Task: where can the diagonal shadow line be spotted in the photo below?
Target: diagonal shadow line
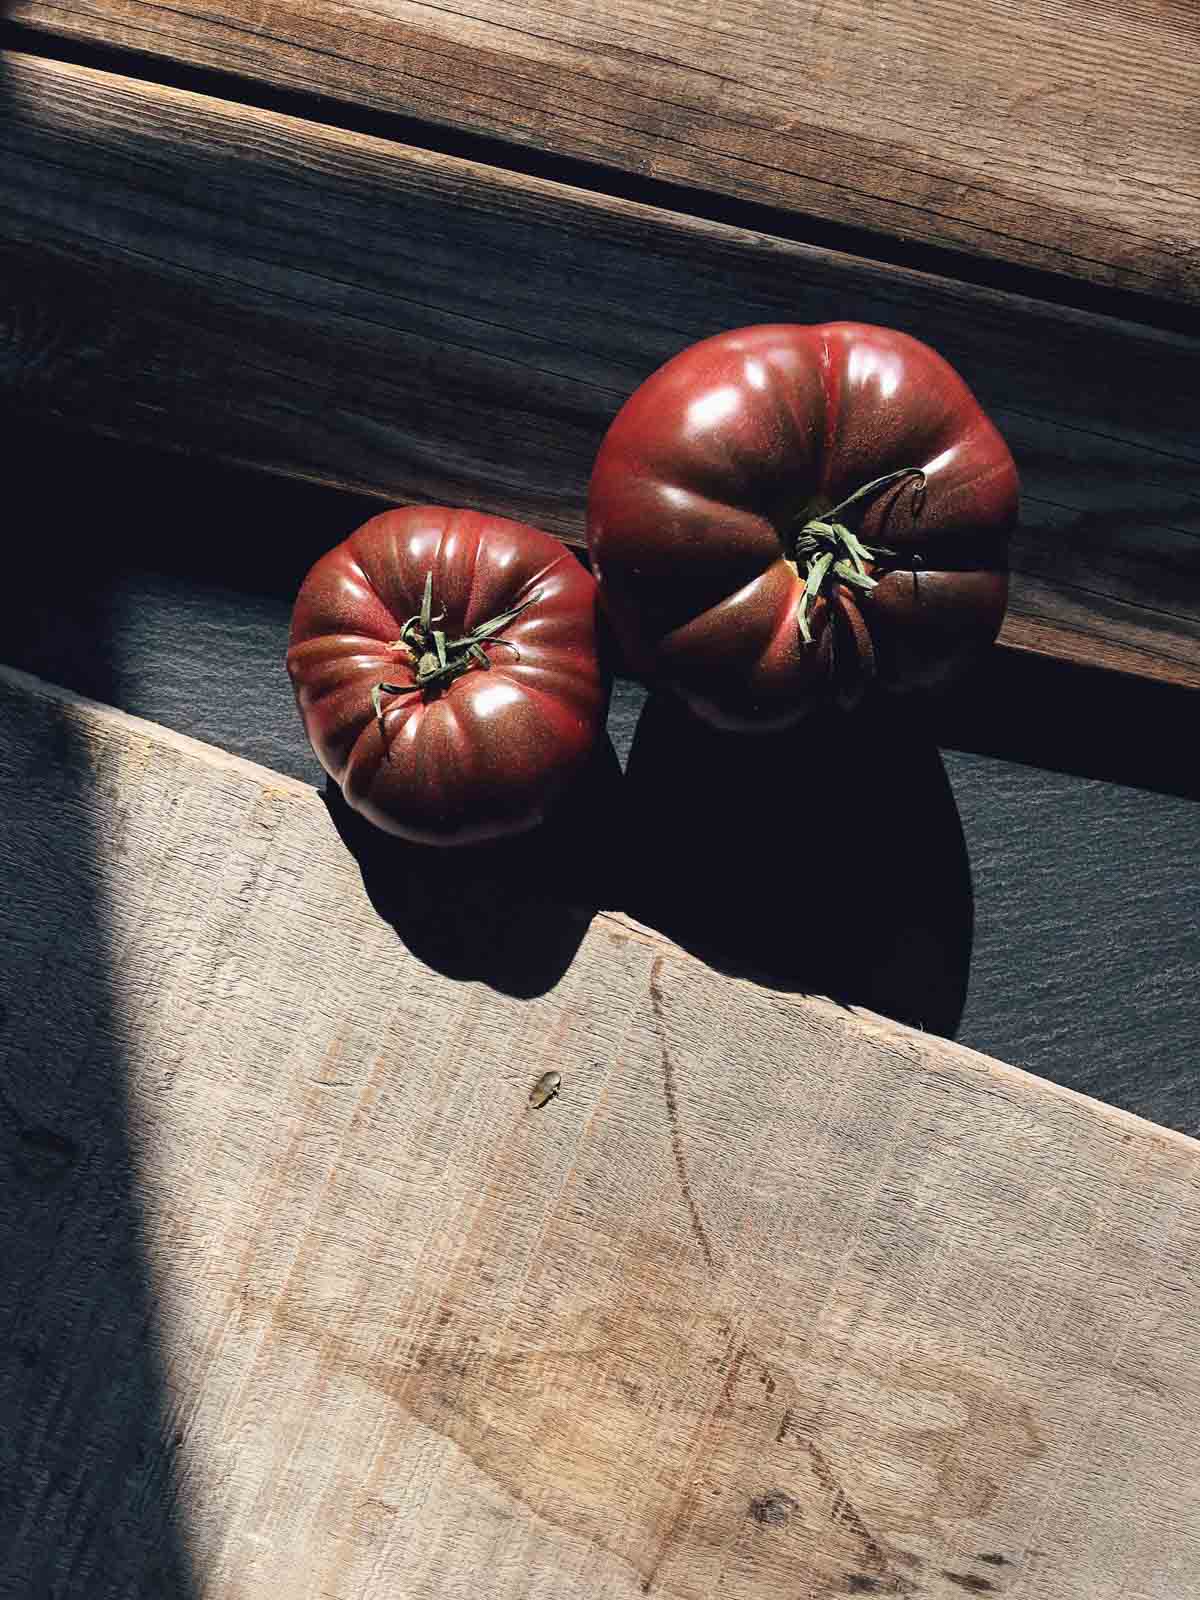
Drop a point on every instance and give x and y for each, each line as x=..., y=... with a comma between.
x=93, y=1489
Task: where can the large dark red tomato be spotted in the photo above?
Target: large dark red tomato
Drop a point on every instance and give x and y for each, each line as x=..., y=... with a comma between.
x=445, y=666
x=749, y=555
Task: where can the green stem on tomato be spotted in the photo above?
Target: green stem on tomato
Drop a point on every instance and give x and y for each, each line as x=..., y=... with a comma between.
x=440, y=660
x=825, y=550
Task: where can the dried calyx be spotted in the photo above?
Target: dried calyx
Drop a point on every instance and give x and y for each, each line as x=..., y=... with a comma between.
x=440, y=660
x=825, y=551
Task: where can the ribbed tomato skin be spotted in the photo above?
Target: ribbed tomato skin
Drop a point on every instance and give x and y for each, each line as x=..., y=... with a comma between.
x=483, y=756
x=726, y=446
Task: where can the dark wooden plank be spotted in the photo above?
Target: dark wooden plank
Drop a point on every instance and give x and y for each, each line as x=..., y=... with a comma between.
x=1064, y=137
x=191, y=273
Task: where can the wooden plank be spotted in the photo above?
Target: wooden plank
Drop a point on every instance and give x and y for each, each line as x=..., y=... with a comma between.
x=191, y=273
x=776, y=1298
x=1063, y=137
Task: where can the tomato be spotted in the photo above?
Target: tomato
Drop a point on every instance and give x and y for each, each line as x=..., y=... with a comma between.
x=781, y=515
x=445, y=666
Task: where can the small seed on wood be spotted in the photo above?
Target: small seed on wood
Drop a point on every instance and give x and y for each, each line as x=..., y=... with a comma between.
x=545, y=1088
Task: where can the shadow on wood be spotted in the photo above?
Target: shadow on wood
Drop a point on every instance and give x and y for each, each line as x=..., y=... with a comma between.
x=511, y=915
x=92, y=1487
x=830, y=858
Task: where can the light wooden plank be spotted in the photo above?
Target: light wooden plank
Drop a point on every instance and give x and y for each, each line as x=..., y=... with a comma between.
x=775, y=1299
x=191, y=273
x=1062, y=136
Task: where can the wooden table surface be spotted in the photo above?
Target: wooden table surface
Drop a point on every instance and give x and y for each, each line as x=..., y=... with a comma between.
x=301, y=1296
x=1064, y=137
x=400, y=252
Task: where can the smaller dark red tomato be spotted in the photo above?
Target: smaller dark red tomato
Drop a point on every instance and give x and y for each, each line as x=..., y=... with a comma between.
x=445, y=666
x=782, y=514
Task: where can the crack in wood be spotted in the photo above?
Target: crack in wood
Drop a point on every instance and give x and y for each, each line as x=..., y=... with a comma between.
x=672, y=1099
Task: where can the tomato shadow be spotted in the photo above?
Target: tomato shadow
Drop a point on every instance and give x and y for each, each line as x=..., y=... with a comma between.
x=512, y=914
x=829, y=859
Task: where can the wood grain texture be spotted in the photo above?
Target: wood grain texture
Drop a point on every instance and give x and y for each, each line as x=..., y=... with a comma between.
x=190, y=273
x=773, y=1299
x=1063, y=136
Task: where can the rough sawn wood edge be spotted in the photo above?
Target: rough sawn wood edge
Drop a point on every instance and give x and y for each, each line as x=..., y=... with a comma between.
x=103, y=721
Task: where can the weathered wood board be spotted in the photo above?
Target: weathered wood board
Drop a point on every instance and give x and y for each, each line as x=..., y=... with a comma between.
x=774, y=1300
x=193, y=273
x=1060, y=136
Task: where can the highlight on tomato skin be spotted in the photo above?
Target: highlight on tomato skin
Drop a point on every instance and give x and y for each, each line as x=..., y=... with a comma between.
x=445, y=666
x=784, y=517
